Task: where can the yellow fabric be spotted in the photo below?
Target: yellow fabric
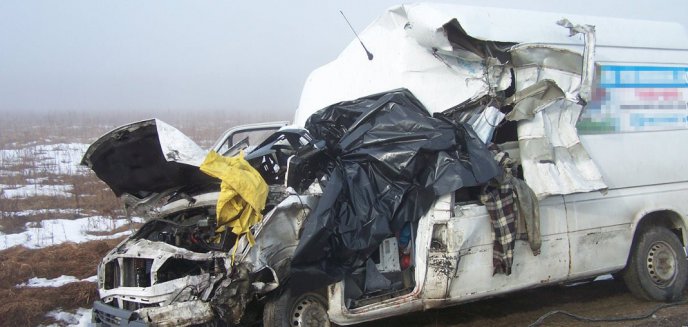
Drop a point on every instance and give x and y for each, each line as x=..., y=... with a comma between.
x=243, y=193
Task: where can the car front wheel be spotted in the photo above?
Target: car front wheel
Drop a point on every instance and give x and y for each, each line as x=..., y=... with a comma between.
x=657, y=268
x=304, y=310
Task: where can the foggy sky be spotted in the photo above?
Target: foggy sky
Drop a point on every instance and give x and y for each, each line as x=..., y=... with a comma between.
x=84, y=55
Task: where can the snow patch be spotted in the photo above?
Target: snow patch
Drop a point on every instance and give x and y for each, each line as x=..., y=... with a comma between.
x=44, y=282
x=91, y=279
x=82, y=317
x=63, y=158
x=604, y=277
x=27, y=191
x=35, y=212
x=55, y=282
x=57, y=231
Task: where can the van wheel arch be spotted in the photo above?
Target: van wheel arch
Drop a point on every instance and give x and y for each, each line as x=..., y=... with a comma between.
x=665, y=218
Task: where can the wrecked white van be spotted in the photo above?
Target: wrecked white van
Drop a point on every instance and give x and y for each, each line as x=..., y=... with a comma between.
x=481, y=151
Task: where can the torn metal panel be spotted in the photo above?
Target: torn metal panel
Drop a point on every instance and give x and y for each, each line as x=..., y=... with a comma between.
x=178, y=314
x=588, y=55
x=233, y=295
x=482, y=115
x=547, y=106
x=484, y=124
x=178, y=147
x=533, y=98
x=417, y=48
x=498, y=75
x=533, y=63
x=553, y=159
x=278, y=235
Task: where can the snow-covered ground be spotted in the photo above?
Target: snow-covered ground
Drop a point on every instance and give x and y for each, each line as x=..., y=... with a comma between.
x=25, y=213
x=57, y=231
x=27, y=191
x=36, y=160
x=63, y=158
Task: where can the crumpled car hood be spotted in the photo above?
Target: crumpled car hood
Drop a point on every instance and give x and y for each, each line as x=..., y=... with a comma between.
x=147, y=157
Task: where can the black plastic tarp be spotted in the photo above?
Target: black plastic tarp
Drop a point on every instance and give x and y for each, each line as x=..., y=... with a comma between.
x=388, y=162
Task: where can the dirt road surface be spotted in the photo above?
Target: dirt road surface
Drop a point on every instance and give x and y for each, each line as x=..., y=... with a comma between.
x=605, y=298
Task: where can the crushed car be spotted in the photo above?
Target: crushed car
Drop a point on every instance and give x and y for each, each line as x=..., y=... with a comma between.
x=480, y=151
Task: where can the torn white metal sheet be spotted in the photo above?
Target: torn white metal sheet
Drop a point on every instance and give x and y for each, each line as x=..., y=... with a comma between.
x=532, y=99
x=485, y=123
x=588, y=55
x=410, y=52
x=534, y=63
x=553, y=159
x=548, y=84
x=178, y=147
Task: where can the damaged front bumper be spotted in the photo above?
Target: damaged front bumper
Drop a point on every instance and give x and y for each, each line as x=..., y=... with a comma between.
x=106, y=315
x=178, y=314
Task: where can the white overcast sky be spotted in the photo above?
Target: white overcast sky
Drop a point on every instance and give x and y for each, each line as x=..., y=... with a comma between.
x=194, y=55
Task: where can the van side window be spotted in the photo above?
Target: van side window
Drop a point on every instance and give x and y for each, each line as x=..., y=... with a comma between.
x=634, y=98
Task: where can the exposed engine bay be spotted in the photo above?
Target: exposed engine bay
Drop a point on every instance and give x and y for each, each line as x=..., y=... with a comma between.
x=177, y=264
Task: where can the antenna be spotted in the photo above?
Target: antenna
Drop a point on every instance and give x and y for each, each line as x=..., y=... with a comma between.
x=370, y=55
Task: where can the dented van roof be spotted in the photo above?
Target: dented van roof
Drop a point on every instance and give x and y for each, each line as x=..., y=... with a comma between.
x=526, y=26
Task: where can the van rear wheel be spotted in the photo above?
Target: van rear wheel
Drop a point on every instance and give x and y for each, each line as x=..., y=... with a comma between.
x=657, y=268
x=305, y=310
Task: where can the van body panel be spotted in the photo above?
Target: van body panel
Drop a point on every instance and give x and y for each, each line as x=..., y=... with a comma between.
x=583, y=234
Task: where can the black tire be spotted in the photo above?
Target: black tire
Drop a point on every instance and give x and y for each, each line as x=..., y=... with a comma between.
x=657, y=268
x=304, y=310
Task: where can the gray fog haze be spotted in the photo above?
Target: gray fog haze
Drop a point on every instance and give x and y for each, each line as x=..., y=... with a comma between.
x=249, y=56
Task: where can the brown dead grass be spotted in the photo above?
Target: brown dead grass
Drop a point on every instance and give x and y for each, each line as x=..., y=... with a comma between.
x=12, y=225
x=28, y=306
x=88, y=193
x=18, y=264
x=90, y=197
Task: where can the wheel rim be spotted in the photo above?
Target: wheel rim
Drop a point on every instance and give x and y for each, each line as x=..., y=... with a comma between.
x=661, y=263
x=309, y=311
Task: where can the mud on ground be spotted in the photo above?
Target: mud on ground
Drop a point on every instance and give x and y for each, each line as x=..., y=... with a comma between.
x=607, y=298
